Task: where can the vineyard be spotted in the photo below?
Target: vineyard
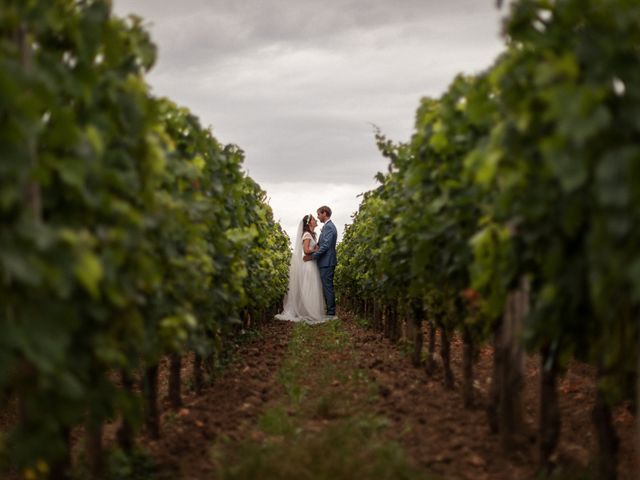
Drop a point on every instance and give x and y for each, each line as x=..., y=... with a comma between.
x=511, y=218
x=129, y=233
x=494, y=269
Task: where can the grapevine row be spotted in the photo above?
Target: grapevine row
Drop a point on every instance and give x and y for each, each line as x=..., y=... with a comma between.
x=513, y=215
x=128, y=233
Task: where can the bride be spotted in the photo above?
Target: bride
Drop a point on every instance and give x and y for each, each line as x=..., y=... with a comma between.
x=304, y=301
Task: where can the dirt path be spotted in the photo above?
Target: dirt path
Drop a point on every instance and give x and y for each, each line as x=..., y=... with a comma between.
x=224, y=410
x=339, y=401
x=440, y=435
x=309, y=412
x=429, y=421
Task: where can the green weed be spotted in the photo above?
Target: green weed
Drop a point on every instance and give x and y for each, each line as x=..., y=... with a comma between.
x=321, y=429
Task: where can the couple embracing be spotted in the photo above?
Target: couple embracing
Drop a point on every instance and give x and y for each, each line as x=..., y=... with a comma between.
x=313, y=264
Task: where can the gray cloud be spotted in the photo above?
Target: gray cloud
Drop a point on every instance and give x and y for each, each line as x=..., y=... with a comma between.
x=198, y=31
x=297, y=84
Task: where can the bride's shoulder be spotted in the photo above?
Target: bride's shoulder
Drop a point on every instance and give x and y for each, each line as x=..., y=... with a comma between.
x=306, y=235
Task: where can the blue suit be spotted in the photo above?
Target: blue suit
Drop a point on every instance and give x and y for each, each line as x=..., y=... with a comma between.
x=326, y=260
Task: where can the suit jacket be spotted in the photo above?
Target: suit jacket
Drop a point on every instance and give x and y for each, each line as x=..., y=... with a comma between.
x=326, y=254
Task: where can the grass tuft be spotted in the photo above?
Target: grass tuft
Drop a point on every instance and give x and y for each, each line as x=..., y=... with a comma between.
x=324, y=427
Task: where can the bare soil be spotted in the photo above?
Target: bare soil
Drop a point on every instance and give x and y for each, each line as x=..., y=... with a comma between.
x=428, y=420
x=445, y=438
x=224, y=408
x=439, y=436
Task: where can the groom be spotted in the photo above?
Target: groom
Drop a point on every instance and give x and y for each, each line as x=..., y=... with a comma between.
x=326, y=258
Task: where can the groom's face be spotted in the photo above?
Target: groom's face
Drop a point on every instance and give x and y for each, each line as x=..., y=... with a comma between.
x=322, y=216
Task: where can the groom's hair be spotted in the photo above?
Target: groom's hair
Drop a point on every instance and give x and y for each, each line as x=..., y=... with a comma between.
x=326, y=210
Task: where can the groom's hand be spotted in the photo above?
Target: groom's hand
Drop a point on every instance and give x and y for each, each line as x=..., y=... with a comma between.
x=307, y=258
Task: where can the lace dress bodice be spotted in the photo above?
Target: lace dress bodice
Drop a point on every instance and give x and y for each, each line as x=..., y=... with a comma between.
x=312, y=243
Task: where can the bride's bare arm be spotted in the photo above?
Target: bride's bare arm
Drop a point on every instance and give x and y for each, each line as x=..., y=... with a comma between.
x=305, y=246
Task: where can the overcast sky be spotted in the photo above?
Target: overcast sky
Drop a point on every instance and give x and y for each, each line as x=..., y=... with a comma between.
x=298, y=84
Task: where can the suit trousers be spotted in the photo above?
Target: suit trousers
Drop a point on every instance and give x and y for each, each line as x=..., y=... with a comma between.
x=326, y=275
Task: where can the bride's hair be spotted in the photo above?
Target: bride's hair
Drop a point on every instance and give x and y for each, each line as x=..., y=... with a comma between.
x=305, y=225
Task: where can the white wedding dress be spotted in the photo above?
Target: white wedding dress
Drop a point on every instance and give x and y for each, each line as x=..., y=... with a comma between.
x=304, y=301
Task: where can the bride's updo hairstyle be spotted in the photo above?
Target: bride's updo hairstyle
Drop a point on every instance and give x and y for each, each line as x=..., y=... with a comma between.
x=305, y=225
